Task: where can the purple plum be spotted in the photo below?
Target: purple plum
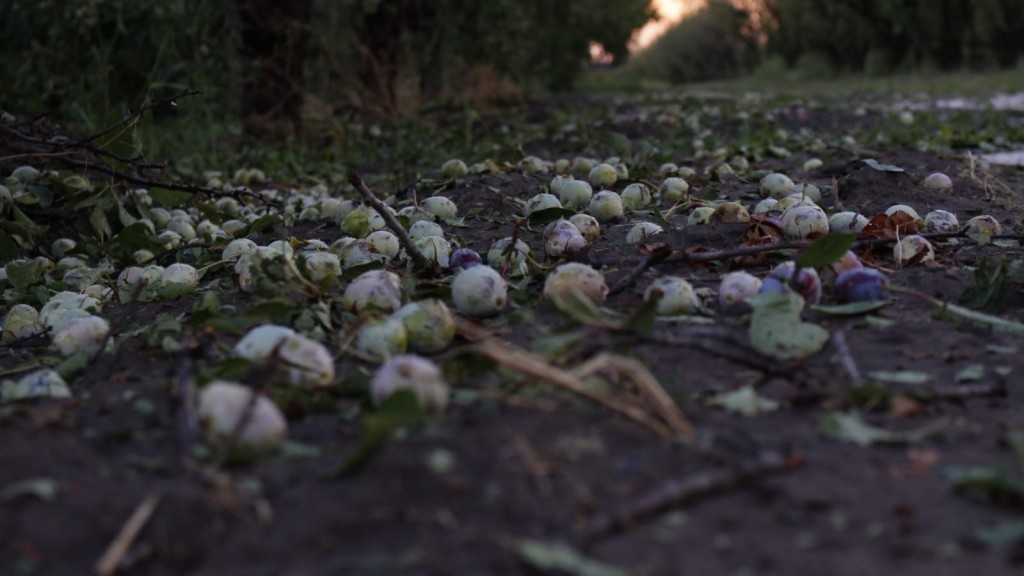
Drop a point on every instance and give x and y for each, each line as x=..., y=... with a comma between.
x=463, y=258
x=861, y=285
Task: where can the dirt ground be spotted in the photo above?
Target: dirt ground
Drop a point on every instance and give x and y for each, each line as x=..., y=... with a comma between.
x=515, y=460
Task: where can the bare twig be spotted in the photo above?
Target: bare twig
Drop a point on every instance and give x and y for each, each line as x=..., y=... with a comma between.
x=38, y=339
x=712, y=255
x=134, y=116
x=659, y=254
x=846, y=359
x=63, y=150
x=421, y=261
x=111, y=559
x=178, y=187
x=733, y=350
x=835, y=195
x=675, y=493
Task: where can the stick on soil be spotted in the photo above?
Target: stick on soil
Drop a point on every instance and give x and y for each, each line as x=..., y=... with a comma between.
x=111, y=559
x=675, y=493
x=421, y=261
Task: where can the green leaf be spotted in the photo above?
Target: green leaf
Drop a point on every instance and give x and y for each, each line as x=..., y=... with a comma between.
x=645, y=317
x=776, y=329
x=169, y=198
x=86, y=199
x=1003, y=535
x=24, y=273
x=291, y=450
x=745, y=401
x=100, y=224
x=260, y=224
x=548, y=215
x=8, y=249
x=851, y=427
x=575, y=304
x=73, y=364
x=45, y=489
x=124, y=216
x=398, y=410
x=135, y=237
x=1015, y=439
x=272, y=310
x=228, y=369
x=558, y=345
x=989, y=288
x=850, y=308
x=906, y=377
x=21, y=225
x=971, y=373
x=43, y=194
x=993, y=481
x=961, y=314
x=826, y=250
x=876, y=165
x=554, y=556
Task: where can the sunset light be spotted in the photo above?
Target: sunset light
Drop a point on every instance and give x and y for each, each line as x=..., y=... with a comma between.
x=669, y=12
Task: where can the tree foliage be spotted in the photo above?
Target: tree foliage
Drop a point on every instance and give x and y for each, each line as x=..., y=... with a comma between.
x=857, y=35
x=98, y=57
x=90, y=60
x=716, y=42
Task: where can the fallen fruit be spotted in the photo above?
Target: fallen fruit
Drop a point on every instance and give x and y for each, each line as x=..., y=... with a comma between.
x=575, y=276
x=233, y=415
x=675, y=296
x=861, y=285
x=410, y=372
x=735, y=291
x=479, y=291
x=912, y=250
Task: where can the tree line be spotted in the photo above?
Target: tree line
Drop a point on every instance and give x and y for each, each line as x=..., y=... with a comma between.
x=728, y=38
x=879, y=36
x=260, y=59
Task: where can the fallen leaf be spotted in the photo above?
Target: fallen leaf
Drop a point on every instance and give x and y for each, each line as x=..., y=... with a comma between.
x=826, y=250
x=1003, y=535
x=745, y=401
x=563, y=558
x=850, y=308
x=876, y=165
x=972, y=373
x=851, y=427
x=43, y=488
x=777, y=330
x=906, y=377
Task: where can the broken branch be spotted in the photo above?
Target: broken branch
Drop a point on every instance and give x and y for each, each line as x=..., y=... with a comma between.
x=421, y=261
x=675, y=493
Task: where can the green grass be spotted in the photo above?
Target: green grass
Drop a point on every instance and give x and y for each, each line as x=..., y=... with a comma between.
x=967, y=84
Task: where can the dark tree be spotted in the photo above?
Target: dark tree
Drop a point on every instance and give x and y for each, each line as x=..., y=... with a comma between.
x=274, y=35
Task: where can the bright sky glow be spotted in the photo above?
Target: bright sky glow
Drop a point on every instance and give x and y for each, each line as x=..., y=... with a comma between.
x=671, y=11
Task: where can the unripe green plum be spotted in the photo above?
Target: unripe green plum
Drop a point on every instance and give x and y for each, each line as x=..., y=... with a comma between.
x=479, y=291
x=676, y=296
x=410, y=372
x=605, y=206
x=229, y=414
